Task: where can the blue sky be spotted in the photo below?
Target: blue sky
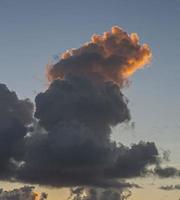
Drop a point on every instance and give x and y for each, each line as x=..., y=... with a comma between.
x=31, y=31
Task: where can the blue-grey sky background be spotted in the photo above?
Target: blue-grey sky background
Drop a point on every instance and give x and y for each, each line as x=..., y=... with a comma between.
x=32, y=31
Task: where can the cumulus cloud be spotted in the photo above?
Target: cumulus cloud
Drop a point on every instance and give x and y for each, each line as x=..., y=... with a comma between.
x=24, y=193
x=113, y=56
x=77, y=98
x=170, y=187
x=166, y=172
x=15, y=115
x=81, y=193
x=51, y=160
x=76, y=148
x=70, y=142
x=77, y=111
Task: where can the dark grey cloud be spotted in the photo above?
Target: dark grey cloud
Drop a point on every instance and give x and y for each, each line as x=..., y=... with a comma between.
x=81, y=193
x=79, y=99
x=167, y=172
x=15, y=115
x=24, y=193
x=76, y=148
x=132, y=162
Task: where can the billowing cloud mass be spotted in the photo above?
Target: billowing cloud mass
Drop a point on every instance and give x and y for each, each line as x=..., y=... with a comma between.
x=70, y=142
x=77, y=111
x=15, y=115
x=113, y=56
x=24, y=193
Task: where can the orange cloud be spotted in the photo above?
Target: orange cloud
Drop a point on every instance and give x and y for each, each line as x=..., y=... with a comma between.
x=112, y=56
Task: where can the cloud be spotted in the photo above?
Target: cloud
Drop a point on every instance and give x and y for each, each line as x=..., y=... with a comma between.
x=132, y=162
x=69, y=143
x=170, y=187
x=76, y=148
x=166, y=172
x=15, y=115
x=24, y=193
x=77, y=98
x=81, y=193
x=77, y=111
x=113, y=56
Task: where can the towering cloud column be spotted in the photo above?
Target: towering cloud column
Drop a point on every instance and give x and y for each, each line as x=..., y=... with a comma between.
x=77, y=111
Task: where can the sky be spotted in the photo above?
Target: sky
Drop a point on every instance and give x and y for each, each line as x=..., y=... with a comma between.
x=32, y=32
